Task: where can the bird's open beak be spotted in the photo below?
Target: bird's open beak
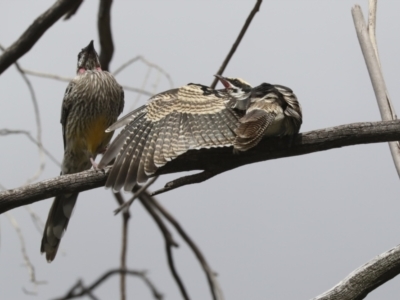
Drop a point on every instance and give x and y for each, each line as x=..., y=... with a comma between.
x=223, y=81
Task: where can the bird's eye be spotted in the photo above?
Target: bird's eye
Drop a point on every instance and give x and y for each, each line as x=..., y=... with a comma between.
x=236, y=82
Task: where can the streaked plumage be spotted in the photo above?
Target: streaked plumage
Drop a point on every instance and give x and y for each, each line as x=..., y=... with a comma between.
x=239, y=90
x=92, y=102
x=273, y=111
x=171, y=123
x=196, y=117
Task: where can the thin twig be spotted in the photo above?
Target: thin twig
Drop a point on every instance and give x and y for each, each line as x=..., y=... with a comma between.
x=37, y=221
x=376, y=76
x=169, y=243
x=215, y=288
x=68, y=79
x=185, y=180
x=34, y=32
x=146, y=62
x=137, y=90
x=6, y=131
x=73, y=293
x=47, y=75
x=145, y=79
x=237, y=42
x=124, y=245
x=38, y=122
x=27, y=261
x=163, y=228
x=135, y=195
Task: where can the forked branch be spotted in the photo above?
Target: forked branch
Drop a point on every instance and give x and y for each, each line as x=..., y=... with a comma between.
x=215, y=161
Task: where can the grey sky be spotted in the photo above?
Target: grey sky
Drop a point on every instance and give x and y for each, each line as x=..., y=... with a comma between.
x=284, y=229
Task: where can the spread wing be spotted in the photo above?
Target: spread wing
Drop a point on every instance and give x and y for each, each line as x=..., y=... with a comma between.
x=170, y=124
x=253, y=125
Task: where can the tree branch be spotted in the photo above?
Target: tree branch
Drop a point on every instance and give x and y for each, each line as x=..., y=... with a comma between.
x=169, y=243
x=237, y=42
x=215, y=289
x=78, y=290
x=35, y=31
x=211, y=159
x=124, y=246
x=73, y=11
x=105, y=35
x=273, y=148
x=370, y=53
x=359, y=283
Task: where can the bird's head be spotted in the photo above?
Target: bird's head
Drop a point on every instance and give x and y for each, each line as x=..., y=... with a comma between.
x=236, y=87
x=264, y=91
x=88, y=59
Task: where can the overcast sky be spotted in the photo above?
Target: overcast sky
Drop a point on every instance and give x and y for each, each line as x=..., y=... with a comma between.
x=283, y=229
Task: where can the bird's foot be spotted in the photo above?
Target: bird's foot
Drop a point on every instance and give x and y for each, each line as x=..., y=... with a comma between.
x=94, y=164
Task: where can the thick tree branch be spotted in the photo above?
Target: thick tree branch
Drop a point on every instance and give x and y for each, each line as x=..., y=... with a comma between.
x=359, y=283
x=215, y=161
x=105, y=35
x=35, y=31
x=73, y=11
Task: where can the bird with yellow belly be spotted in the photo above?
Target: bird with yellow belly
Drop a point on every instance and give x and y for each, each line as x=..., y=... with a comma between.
x=92, y=102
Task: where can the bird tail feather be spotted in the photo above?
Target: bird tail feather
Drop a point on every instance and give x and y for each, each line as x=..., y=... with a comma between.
x=56, y=224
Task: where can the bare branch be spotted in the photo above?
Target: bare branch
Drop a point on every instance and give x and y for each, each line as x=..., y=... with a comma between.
x=190, y=179
x=28, y=263
x=124, y=245
x=169, y=243
x=28, y=194
x=73, y=11
x=216, y=291
x=105, y=35
x=78, y=290
x=146, y=62
x=237, y=42
x=37, y=221
x=164, y=229
x=210, y=159
x=272, y=148
x=372, y=36
x=47, y=75
x=34, y=32
x=29, y=136
x=137, y=194
x=38, y=122
x=358, y=284
x=375, y=73
x=371, y=27
x=137, y=90
x=68, y=79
